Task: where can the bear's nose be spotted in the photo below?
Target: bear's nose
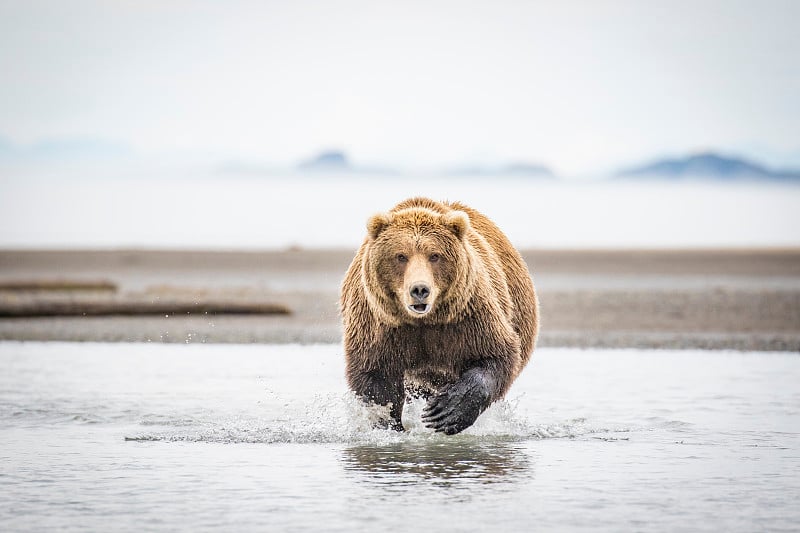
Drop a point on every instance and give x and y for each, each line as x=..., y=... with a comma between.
x=420, y=291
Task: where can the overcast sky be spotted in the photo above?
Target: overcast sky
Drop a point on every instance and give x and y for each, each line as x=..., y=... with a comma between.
x=580, y=86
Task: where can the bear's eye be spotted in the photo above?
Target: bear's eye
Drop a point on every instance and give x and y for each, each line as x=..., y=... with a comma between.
x=402, y=258
x=434, y=258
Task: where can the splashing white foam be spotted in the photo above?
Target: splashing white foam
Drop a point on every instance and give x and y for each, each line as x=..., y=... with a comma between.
x=345, y=419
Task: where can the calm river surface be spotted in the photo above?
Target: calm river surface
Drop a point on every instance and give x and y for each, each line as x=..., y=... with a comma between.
x=227, y=437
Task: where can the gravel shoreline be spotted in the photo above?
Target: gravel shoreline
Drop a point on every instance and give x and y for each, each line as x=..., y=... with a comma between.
x=710, y=299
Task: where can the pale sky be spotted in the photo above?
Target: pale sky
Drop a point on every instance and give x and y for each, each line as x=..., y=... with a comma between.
x=581, y=86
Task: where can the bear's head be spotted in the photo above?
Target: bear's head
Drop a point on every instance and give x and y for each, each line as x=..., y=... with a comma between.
x=417, y=264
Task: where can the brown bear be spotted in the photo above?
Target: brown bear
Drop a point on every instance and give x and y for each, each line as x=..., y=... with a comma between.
x=436, y=301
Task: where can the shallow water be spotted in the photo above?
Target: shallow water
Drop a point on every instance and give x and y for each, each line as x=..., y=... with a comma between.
x=139, y=436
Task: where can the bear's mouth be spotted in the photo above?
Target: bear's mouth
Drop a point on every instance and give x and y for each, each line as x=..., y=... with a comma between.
x=420, y=309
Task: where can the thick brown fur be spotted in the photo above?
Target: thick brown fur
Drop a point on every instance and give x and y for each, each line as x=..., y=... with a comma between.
x=462, y=331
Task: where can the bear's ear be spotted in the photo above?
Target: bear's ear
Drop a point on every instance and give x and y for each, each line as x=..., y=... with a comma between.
x=457, y=222
x=377, y=223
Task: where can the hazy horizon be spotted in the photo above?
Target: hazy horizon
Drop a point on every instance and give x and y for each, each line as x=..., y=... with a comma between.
x=53, y=155
x=161, y=95
x=580, y=87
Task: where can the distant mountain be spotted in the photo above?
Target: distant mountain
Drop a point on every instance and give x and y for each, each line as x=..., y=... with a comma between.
x=707, y=165
x=331, y=161
x=63, y=149
x=509, y=170
x=335, y=161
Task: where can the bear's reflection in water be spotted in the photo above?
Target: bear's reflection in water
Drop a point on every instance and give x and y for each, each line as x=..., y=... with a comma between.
x=478, y=460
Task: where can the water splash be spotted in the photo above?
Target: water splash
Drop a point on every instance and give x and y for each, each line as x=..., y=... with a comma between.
x=345, y=419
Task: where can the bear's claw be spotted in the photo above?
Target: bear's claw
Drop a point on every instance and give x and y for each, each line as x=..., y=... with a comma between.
x=456, y=407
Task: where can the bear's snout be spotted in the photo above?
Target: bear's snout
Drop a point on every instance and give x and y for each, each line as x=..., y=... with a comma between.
x=420, y=292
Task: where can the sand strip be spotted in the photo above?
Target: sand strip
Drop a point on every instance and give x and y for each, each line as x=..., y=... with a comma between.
x=717, y=299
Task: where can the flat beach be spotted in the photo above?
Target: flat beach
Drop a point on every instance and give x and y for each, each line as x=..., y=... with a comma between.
x=746, y=299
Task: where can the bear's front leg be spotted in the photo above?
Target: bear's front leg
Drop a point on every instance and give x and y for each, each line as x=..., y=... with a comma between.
x=458, y=405
x=381, y=388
